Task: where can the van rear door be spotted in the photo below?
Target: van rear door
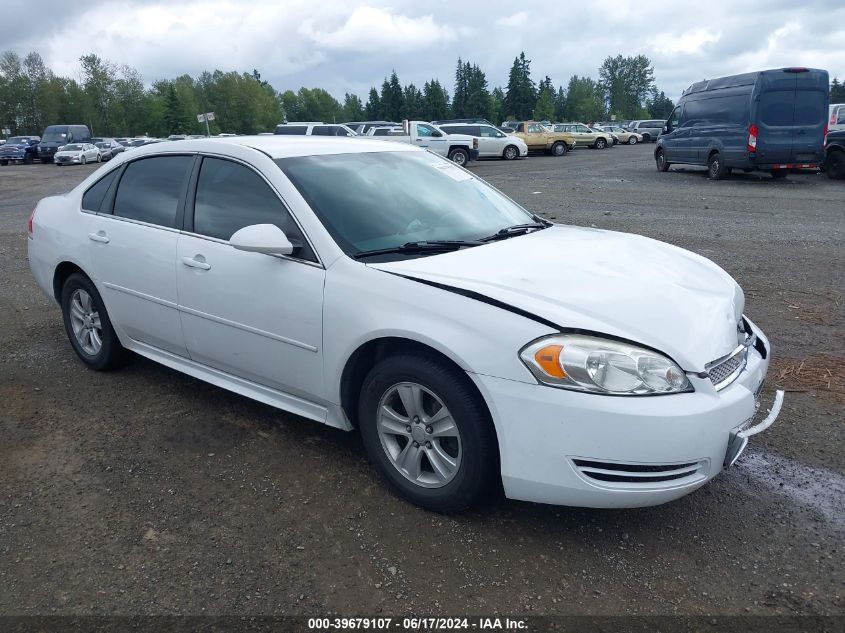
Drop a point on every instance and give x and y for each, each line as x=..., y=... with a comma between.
x=790, y=116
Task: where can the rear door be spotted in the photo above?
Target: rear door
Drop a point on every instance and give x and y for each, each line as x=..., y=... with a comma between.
x=809, y=119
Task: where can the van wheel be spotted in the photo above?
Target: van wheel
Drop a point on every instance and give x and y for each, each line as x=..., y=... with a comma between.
x=428, y=432
x=559, y=149
x=662, y=163
x=4, y=162
x=459, y=156
x=27, y=159
x=646, y=138
x=779, y=174
x=716, y=167
x=632, y=140
x=510, y=152
x=834, y=166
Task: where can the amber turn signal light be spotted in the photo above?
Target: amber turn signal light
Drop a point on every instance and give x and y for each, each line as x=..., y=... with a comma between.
x=548, y=358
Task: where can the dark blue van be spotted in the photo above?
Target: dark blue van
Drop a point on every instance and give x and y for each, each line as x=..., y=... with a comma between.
x=771, y=120
x=55, y=136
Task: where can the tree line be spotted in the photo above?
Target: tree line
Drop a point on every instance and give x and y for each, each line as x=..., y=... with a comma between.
x=113, y=99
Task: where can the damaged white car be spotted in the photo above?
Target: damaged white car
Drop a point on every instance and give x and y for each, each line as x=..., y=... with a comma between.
x=379, y=287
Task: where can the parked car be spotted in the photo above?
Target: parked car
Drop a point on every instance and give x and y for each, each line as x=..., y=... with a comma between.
x=459, y=148
x=109, y=148
x=836, y=117
x=55, y=136
x=539, y=138
x=492, y=142
x=584, y=135
x=177, y=137
x=624, y=136
x=649, y=129
x=140, y=142
x=361, y=127
x=771, y=120
x=398, y=294
x=314, y=129
x=77, y=154
x=19, y=149
x=834, y=162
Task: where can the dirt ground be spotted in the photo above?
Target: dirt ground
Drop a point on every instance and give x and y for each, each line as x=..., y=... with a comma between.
x=144, y=491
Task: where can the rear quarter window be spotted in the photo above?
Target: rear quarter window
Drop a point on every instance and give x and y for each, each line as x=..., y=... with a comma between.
x=150, y=189
x=291, y=129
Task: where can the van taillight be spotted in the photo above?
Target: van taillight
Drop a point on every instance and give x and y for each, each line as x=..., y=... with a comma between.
x=751, y=146
x=796, y=69
x=825, y=134
x=29, y=224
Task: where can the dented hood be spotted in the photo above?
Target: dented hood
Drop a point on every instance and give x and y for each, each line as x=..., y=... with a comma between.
x=619, y=284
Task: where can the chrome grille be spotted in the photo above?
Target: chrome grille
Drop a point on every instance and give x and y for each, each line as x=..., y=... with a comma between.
x=723, y=373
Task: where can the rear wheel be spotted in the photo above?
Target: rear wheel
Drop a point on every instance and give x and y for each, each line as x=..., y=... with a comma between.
x=559, y=149
x=646, y=138
x=4, y=162
x=88, y=326
x=600, y=143
x=83, y=160
x=459, y=156
x=834, y=165
x=632, y=140
x=428, y=432
x=99, y=158
x=715, y=167
x=779, y=174
x=660, y=160
x=510, y=153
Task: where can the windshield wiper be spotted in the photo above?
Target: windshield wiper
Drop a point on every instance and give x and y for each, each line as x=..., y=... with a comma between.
x=420, y=247
x=518, y=229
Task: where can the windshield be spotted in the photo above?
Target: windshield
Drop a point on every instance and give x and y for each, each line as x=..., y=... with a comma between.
x=54, y=134
x=72, y=148
x=387, y=199
x=104, y=145
x=17, y=140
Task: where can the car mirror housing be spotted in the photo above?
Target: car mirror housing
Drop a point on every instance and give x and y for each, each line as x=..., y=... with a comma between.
x=268, y=239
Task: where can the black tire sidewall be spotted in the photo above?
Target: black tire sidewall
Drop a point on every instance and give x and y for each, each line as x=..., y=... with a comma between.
x=601, y=143
x=835, y=165
x=720, y=172
x=455, y=152
x=513, y=149
x=111, y=352
x=479, y=469
x=559, y=149
x=661, y=157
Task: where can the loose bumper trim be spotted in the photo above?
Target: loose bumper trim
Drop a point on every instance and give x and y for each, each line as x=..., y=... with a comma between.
x=739, y=436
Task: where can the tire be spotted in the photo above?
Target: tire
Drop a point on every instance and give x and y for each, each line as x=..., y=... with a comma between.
x=632, y=140
x=646, y=138
x=559, y=149
x=471, y=475
x=83, y=160
x=716, y=169
x=99, y=158
x=4, y=162
x=459, y=156
x=600, y=143
x=27, y=159
x=511, y=152
x=82, y=308
x=834, y=165
x=660, y=159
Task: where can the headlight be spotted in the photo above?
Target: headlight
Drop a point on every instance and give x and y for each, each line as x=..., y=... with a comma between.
x=598, y=365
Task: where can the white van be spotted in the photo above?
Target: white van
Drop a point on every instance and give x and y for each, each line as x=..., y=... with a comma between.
x=836, y=117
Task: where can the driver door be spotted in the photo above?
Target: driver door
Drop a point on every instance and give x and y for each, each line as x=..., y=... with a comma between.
x=252, y=315
x=432, y=139
x=535, y=136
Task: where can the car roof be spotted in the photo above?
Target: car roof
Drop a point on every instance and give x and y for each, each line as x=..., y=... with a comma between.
x=278, y=146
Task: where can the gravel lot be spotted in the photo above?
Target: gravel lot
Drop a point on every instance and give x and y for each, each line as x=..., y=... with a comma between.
x=144, y=491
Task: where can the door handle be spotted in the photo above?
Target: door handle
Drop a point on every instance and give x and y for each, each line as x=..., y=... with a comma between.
x=194, y=262
x=99, y=236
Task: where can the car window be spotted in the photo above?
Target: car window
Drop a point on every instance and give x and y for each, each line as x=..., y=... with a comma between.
x=535, y=128
x=149, y=189
x=584, y=128
x=292, y=129
x=841, y=118
x=777, y=107
x=93, y=198
x=231, y=196
x=488, y=132
x=674, y=119
x=323, y=130
x=425, y=130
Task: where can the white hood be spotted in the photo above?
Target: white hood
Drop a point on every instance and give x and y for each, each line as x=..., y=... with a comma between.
x=612, y=283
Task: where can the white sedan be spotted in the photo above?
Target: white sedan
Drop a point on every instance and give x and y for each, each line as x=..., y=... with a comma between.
x=379, y=287
x=492, y=142
x=77, y=154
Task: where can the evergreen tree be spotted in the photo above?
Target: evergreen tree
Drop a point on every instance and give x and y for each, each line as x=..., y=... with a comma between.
x=461, y=91
x=561, y=113
x=353, y=109
x=412, y=103
x=521, y=94
x=477, y=102
x=174, y=117
x=584, y=100
x=497, y=106
x=373, y=107
x=435, y=101
x=659, y=106
x=392, y=99
x=837, y=91
x=544, y=109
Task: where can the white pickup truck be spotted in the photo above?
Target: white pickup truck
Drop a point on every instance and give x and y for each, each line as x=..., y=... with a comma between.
x=459, y=148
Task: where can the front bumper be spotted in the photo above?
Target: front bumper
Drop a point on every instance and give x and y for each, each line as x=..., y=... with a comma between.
x=580, y=449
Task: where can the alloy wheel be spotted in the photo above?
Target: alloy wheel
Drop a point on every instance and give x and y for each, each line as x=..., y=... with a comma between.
x=418, y=435
x=85, y=321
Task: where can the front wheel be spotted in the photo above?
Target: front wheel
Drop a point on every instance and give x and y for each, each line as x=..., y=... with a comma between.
x=27, y=159
x=428, y=432
x=660, y=160
x=632, y=140
x=88, y=325
x=83, y=160
x=600, y=143
x=99, y=158
x=510, y=153
x=559, y=149
x=459, y=156
x=834, y=166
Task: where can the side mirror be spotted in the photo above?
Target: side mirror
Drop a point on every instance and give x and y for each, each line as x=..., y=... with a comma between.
x=268, y=239
x=665, y=129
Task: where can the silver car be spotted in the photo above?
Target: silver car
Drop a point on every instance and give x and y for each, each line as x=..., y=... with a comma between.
x=649, y=128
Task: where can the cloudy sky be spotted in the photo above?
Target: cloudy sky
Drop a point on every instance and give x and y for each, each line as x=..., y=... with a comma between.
x=349, y=45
